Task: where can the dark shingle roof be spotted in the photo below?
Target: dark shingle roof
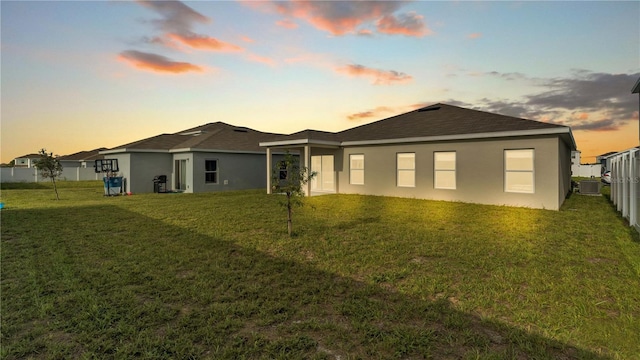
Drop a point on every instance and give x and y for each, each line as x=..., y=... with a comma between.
x=84, y=155
x=28, y=156
x=440, y=120
x=212, y=136
x=636, y=87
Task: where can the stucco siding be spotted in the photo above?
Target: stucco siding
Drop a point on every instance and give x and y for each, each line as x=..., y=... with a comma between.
x=480, y=171
x=235, y=172
x=124, y=166
x=143, y=167
x=564, y=171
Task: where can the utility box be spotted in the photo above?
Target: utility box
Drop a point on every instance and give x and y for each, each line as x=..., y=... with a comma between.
x=589, y=187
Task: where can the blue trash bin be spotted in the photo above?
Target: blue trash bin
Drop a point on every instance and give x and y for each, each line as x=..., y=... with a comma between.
x=112, y=185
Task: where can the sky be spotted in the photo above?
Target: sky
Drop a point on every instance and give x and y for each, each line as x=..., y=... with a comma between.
x=80, y=75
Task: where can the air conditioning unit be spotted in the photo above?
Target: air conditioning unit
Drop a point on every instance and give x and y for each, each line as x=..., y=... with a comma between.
x=589, y=187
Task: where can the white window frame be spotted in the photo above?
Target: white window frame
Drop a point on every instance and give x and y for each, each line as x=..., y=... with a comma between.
x=405, y=170
x=438, y=169
x=353, y=170
x=216, y=172
x=510, y=171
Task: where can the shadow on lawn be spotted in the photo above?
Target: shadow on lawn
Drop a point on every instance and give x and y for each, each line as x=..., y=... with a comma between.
x=107, y=282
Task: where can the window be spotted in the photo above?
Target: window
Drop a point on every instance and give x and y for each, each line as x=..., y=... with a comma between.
x=406, y=165
x=356, y=169
x=211, y=171
x=518, y=171
x=444, y=169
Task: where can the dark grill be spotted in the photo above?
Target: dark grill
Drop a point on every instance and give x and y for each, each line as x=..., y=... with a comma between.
x=160, y=183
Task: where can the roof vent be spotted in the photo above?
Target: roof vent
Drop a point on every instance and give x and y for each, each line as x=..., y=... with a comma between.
x=429, y=108
x=192, y=133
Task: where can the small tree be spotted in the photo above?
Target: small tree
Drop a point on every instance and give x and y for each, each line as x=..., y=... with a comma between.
x=289, y=178
x=49, y=167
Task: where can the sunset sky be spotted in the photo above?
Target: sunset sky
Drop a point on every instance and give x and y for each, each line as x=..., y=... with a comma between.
x=82, y=75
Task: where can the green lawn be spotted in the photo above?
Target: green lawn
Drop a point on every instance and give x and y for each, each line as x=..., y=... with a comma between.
x=216, y=276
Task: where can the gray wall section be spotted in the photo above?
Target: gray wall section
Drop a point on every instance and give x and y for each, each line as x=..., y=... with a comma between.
x=144, y=167
x=479, y=172
x=241, y=171
x=124, y=161
x=235, y=172
x=138, y=169
x=564, y=171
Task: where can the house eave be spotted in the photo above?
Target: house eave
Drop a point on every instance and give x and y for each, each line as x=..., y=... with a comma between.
x=301, y=142
x=636, y=87
x=488, y=135
x=192, y=150
x=125, y=150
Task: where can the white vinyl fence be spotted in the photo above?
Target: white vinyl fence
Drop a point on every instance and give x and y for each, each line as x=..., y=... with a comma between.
x=625, y=184
x=8, y=175
x=586, y=170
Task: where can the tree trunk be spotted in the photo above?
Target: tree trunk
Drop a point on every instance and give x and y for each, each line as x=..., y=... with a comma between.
x=53, y=180
x=289, y=222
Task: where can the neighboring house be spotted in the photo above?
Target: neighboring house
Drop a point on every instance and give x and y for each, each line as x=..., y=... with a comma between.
x=602, y=159
x=575, y=162
x=440, y=152
x=26, y=161
x=207, y=158
x=83, y=159
x=583, y=170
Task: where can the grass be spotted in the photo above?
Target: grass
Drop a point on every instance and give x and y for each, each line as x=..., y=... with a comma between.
x=216, y=276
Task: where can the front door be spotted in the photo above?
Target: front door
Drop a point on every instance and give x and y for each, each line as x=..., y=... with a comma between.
x=324, y=180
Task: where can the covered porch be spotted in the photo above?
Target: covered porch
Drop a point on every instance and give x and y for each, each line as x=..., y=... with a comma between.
x=319, y=156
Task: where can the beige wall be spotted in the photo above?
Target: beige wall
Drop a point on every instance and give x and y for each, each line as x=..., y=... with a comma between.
x=479, y=171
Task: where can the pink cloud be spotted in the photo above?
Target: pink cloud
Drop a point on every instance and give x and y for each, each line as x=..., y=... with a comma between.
x=346, y=17
x=409, y=24
x=156, y=63
x=378, y=77
x=261, y=59
x=204, y=42
x=377, y=112
x=287, y=24
x=176, y=16
x=365, y=32
x=474, y=36
x=582, y=116
x=247, y=39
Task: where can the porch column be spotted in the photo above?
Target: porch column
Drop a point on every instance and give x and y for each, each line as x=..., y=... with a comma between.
x=268, y=170
x=307, y=164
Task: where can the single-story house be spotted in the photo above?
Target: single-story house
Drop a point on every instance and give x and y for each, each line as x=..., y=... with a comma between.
x=83, y=159
x=207, y=158
x=440, y=152
x=26, y=161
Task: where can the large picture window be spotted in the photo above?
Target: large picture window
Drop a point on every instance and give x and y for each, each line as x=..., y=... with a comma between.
x=406, y=169
x=518, y=171
x=211, y=171
x=444, y=169
x=356, y=169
